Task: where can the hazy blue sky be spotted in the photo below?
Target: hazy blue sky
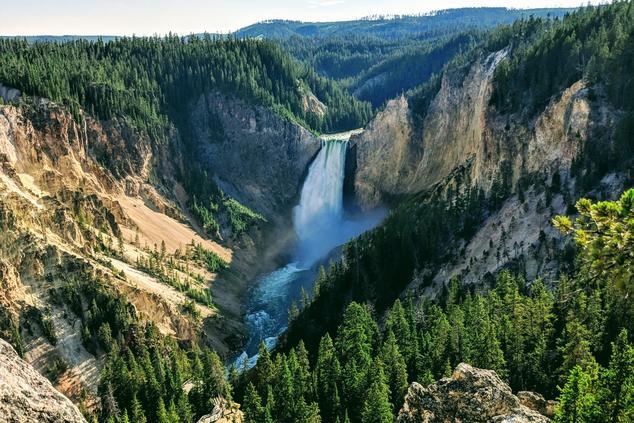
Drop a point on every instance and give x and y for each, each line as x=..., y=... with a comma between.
x=144, y=17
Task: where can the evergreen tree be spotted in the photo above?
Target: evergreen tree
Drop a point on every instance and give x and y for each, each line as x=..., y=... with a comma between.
x=399, y=324
x=355, y=339
x=263, y=371
x=327, y=375
x=577, y=403
x=395, y=370
x=125, y=418
x=252, y=406
x=137, y=415
x=377, y=407
x=162, y=415
x=575, y=348
x=616, y=396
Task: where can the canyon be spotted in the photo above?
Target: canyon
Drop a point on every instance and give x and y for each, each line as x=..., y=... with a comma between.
x=207, y=244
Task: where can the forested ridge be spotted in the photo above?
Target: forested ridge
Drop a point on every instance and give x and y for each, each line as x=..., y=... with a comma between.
x=152, y=81
x=435, y=24
x=376, y=70
x=378, y=59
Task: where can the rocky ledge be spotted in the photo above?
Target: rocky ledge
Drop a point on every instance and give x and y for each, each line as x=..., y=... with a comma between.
x=472, y=395
x=224, y=412
x=27, y=396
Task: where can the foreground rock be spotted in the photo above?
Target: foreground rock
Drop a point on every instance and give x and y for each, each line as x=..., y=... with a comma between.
x=223, y=412
x=470, y=395
x=26, y=396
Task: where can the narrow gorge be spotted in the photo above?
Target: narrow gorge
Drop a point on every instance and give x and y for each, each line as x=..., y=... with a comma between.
x=320, y=225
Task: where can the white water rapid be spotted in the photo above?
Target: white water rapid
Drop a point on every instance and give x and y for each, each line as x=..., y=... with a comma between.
x=321, y=225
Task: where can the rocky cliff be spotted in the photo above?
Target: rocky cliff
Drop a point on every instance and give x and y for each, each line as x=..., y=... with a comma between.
x=254, y=155
x=397, y=155
x=462, y=140
x=472, y=395
x=224, y=412
x=75, y=191
x=27, y=396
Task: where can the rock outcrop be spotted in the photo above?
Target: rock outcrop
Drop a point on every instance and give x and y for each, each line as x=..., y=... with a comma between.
x=223, y=412
x=9, y=94
x=254, y=155
x=26, y=396
x=401, y=154
x=469, y=395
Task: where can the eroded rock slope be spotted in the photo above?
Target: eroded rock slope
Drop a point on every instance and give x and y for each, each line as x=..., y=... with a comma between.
x=27, y=396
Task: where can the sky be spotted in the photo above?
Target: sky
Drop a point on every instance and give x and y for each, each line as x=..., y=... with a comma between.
x=149, y=17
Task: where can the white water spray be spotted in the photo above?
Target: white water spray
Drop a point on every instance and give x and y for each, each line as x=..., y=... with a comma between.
x=318, y=217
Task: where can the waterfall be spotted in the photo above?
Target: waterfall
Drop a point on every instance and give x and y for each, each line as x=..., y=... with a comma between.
x=320, y=224
x=318, y=217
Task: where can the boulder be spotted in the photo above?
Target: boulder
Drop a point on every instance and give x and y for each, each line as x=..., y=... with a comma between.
x=27, y=396
x=224, y=412
x=537, y=402
x=469, y=395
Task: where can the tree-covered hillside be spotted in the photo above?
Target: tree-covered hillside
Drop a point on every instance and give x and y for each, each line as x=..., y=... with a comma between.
x=376, y=70
x=381, y=57
x=435, y=24
x=152, y=81
x=574, y=343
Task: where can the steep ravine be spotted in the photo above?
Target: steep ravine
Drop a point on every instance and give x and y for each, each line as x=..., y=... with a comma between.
x=68, y=188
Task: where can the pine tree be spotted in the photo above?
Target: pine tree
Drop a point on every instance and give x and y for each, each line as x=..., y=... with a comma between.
x=395, y=370
x=605, y=237
x=263, y=370
x=399, y=324
x=252, y=406
x=109, y=406
x=355, y=339
x=214, y=381
x=137, y=415
x=575, y=348
x=308, y=413
x=184, y=409
x=377, y=407
x=303, y=376
x=172, y=413
x=616, y=395
x=577, y=403
x=285, y=395
x=161, y=413
x=327, y=376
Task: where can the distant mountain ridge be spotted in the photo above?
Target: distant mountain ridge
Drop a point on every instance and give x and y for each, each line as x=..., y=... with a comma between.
x=388, y=27
x=442, y=22
x=62, y=38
